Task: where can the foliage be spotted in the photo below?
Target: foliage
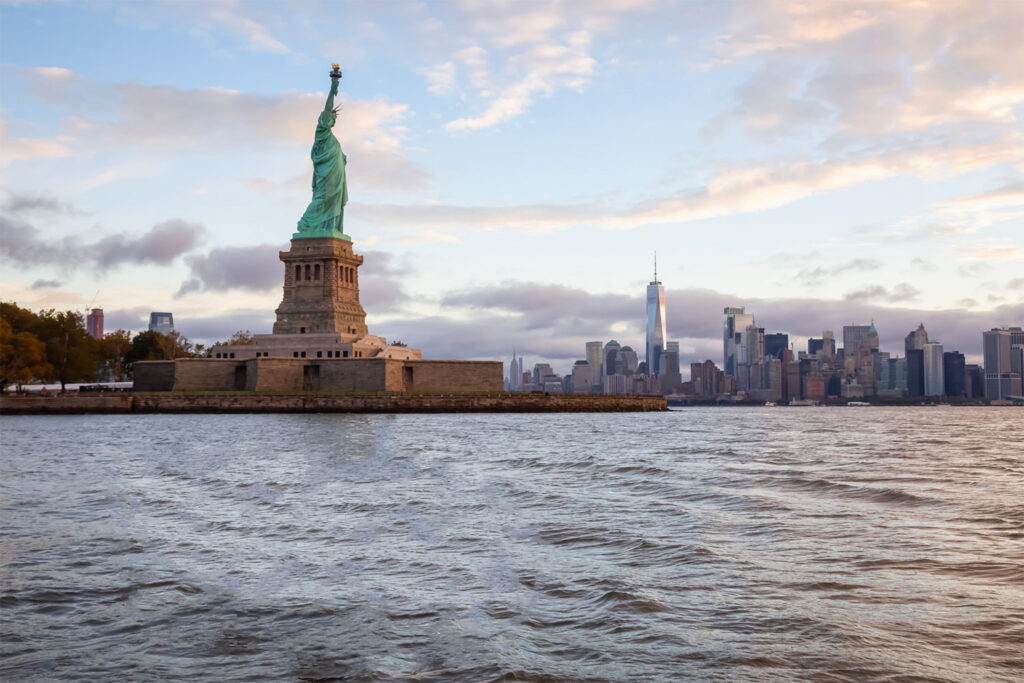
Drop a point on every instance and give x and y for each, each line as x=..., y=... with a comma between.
x=22, y=356
x=54, y=345
x=151, y=345
x=241, y=338
x=69, y=348
x=399, y=343
x=113, y=349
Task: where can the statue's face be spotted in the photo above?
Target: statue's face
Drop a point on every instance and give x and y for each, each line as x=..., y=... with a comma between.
x=331, y=118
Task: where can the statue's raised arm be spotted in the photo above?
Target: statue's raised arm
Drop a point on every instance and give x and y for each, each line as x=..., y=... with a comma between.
x=325, y=214
x=334, y=89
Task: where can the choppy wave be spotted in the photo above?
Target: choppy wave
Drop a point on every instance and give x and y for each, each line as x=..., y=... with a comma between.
x=732, y=544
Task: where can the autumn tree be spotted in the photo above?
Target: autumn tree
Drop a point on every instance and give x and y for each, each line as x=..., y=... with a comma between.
x=69, y=348
x=151, y=345
x=22, y=356
x=113, y=350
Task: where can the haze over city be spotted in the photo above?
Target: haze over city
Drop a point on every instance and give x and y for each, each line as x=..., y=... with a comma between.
x=514, y=165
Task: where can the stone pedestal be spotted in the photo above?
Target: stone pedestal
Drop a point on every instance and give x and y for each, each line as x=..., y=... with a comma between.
x=321, y=289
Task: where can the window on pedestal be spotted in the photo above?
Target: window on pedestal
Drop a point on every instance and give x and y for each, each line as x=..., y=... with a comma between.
x=298, y=273
x=316, y=272
x=307, y=271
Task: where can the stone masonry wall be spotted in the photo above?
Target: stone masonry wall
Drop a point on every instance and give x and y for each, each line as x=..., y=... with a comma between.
x=455, y=376
x=205, y=374
x=311, y=403
x=153, y=375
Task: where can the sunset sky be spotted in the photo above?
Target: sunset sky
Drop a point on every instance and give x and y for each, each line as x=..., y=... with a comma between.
x=513, y=165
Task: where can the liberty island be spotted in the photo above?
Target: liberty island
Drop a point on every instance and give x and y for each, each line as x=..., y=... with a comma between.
x=320, y=342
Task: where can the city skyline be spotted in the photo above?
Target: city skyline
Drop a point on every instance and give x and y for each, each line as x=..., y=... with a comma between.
x=818, y=177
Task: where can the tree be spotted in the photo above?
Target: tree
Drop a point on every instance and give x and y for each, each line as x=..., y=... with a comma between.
x=241, y=338
x=113, y=350
x=150, y=345
x=22, y=356
x=20, y=319
x=69, y=348
x=174, y=345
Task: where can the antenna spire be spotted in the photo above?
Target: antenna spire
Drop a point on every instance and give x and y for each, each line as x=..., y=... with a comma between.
x=655, y=265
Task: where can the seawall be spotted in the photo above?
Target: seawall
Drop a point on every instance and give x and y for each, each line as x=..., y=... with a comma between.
x=326, y=403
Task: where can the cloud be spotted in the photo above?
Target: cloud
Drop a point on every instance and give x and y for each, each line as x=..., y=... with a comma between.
x=21, y=244
x=540, y=70
x=867, y=294
x=26, y=203
x=24, y=149
x=817, y=276
x=871, y=71
x=1016, y=283
x=46, y=284
x=902, y=292
x=522, y=50
x=168, y=120
x=255, y=268
x=993, y=251
x=553, y=322
x=736, y=191
x=259, y=269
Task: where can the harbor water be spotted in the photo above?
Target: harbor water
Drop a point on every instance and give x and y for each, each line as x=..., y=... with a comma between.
x=824, y=544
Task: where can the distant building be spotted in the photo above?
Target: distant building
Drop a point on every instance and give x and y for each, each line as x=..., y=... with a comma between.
x=581, y=375
x=94, y=323
x=824, y=347
x=915, y=372
x=893, y=377
x=655, y=323
x=515, y=374
x=934, y=377
x=1000, y=379
x=775, y=344
x=670, y=378
x=626, y=362
x=609, y=357
x=706, y=379
x=954, y=373
x=594, y=362
x=859, y=336
x=975, y=383
x=735, y=320
x=161, y=322
x=916, y=340
x=542, y=370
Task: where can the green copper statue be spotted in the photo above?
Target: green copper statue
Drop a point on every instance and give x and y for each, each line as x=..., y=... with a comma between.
x=325, y=214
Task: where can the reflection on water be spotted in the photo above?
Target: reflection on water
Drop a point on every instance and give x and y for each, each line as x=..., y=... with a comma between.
x=768, y=544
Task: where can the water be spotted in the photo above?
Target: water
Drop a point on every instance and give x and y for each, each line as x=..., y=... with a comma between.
x=708, y=544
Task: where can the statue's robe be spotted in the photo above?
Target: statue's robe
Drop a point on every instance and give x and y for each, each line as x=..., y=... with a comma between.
x=326, y=211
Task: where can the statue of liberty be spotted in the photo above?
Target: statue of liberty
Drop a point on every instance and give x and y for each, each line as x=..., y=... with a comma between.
x=326, y=212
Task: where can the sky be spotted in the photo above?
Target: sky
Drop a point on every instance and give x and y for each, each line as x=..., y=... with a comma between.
x=514, y=165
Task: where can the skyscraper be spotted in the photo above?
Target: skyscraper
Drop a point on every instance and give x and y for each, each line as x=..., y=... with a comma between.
x=916, y=340
x=594, y=361
x=775, y=344
x=735, y=321
x=955, y=374
x=515, y=374
x=915, y=372
x=161, y=322
x=934, y=376
x=856, y=337
x=608, y=358
x=655, y=323
x=94, y=323
x=1000, y=379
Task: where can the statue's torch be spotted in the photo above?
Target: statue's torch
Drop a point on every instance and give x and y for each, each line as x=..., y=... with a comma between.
x=336, y=72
